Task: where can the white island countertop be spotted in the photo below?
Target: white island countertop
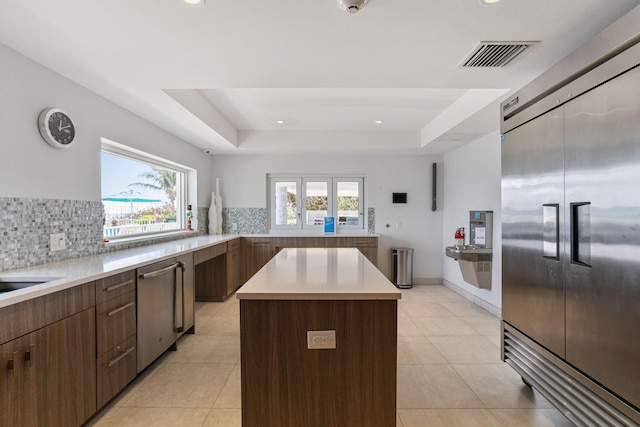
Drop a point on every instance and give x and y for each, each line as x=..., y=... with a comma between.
x=319, y=274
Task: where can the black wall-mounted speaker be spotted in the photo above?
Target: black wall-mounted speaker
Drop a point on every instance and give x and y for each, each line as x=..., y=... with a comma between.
x=434, y=198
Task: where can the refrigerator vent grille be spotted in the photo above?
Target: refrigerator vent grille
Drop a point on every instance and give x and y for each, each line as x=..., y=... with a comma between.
x=495, y=54
x=577, y=402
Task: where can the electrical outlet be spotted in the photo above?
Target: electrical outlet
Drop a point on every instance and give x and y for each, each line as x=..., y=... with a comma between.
x=234, y=226
x=57, y=242
x=321, y=340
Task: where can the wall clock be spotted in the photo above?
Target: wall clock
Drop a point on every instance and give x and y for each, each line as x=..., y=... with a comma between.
x=56, y=128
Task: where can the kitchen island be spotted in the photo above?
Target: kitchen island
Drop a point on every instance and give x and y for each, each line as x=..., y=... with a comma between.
x=350, y=378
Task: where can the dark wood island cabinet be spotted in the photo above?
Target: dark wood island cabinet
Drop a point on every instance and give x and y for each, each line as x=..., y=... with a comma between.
x=287, y=382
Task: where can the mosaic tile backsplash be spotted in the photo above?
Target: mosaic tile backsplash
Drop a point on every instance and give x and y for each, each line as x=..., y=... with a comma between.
x=248, y=220
x=25, y=226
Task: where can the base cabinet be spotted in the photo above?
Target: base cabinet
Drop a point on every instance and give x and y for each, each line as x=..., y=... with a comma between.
x=233, y=266
x=256, y=252
x=116, y=368
x=115, y=335
x=17, y=383
x=47, y=380
x=361, y=387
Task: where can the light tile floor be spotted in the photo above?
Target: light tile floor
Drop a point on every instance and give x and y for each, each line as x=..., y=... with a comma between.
x=449, y=372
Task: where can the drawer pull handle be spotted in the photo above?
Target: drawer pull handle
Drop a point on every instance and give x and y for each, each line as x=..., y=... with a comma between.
x=29, y=355
x=119, y=309
x=11, y=363
x=119, y=285
x=119, y=358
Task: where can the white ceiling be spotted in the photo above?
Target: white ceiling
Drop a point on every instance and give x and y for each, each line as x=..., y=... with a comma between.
x=220, y=75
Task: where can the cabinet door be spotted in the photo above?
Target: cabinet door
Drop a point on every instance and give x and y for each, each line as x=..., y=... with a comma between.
x=532, y=208
x=233, y=271
x=257, y=252
x=64, y=370
x=17, y=395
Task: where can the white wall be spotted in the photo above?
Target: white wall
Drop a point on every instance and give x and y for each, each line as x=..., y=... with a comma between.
x=243, y=185
x=472, y=182
x=31, y=168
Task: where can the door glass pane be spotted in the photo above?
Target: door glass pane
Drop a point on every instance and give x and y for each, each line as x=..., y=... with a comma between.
x=316, y=203
x=285, y=200
x=348, y=196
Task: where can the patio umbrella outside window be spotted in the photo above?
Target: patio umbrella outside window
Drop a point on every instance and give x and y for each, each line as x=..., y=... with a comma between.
x=132, y=197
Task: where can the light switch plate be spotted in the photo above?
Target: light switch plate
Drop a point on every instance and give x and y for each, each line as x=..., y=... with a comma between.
x=320, y=340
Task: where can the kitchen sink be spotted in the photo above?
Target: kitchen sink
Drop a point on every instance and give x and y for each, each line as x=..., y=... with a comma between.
x=13, y=284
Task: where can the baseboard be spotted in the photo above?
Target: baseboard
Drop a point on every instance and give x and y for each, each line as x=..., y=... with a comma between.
x=427, y=281
x=496, y=311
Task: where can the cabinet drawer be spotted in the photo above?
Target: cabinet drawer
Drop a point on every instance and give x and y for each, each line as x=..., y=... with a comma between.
x=115, y=321
x=116, y=285
x=116, y=369
x=68, y=302
x=21, y=318
x=211, y=252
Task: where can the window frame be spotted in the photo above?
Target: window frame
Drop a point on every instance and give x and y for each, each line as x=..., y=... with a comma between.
x=332, y=208
x=182, y=186
x=272, y=202
x=361, y=216
x=303, y=203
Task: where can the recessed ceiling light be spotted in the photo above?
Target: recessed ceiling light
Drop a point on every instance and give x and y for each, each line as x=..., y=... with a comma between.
x=489, y=2
x=193, y=2
x=280, y=122
x=378, y=122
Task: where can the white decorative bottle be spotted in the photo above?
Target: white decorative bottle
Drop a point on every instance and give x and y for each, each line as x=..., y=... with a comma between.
x=213, y=216
x=218, y=207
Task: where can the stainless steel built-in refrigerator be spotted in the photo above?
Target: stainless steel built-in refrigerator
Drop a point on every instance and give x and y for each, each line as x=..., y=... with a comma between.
x=571, y=241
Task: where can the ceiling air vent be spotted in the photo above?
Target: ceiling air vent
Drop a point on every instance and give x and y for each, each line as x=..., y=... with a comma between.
x=496, y=54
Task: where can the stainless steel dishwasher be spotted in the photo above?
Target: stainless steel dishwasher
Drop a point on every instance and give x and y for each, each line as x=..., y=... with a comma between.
x=165, y=307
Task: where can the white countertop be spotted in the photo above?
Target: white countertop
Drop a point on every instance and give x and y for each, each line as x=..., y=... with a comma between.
x=77, y=271
x=319, y=274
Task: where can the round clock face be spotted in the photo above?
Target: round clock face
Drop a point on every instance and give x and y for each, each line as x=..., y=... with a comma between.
x=56, y=128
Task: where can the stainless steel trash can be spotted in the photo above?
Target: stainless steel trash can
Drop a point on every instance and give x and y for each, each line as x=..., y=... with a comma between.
x=402, y=267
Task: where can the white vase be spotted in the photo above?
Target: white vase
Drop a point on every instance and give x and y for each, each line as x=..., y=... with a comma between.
x=213, y=216
x=218, y=207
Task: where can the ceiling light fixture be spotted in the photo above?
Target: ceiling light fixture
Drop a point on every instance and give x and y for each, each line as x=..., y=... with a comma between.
x=489, y=2
x=352, y=6
x=378, y=122
x=193, y=2
x=280, y=122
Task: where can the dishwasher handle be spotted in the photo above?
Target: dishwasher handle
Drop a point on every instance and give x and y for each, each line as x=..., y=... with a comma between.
x=162, y=271
x=179, y=303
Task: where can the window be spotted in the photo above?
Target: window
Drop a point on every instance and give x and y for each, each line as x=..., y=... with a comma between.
x=141, y=194
x=303, y=202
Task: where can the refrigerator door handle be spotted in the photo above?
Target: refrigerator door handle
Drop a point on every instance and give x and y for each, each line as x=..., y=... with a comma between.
x=581, y=233
x=551, y=231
